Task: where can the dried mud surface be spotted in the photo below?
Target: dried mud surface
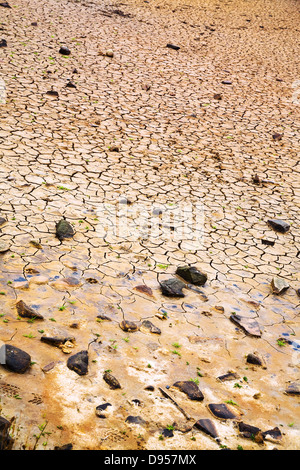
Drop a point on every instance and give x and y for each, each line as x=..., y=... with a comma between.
x=174, y=143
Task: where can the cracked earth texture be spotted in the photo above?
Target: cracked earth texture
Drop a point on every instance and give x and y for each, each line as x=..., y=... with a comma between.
x=147, y=124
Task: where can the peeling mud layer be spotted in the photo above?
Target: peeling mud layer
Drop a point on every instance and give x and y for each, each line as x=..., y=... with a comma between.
x=97, y=113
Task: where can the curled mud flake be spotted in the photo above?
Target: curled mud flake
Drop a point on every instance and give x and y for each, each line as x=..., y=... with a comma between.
x=143, y=289
x=249, y=325
x=4, y=246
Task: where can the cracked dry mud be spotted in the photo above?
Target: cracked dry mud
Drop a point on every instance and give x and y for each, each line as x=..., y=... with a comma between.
x=124, y=116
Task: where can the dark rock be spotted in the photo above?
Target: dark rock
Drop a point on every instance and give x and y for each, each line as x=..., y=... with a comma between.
x=207, y=426
x=3, y=43
x=221, y=411
x=135, y=420
x=191, y=275
x=149, y=388
x=227, y=82
x=6, y=442
x=172, y=288
x=247, y=430
x=52, y=93
x=64, y=230
x=229, y=376
x=5, y=5
x=34, y=23
x=111, y=381
x=254, y=359
x=217, y=96
x=279, y=225
x=2, y=221
x=25, y=311
x=167, y=433
x=16, y=360
x=103, y=317
x=70, y=85
x=57, y=341
x=277, y=136
x=249, y=325
x=268, y=242
x=293, y=389
x=204, y=297
x=100, y=410
x=298, y=292
x=148, y=327
x=171, y=46
x=64, y=50
x=79, y=363
x=129, y=326
x=273, y=434
x=144, y=290
x=190, y=388
x=64, y=447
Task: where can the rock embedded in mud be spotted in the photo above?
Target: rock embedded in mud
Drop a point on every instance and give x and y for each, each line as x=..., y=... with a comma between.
x=279, y=285
x=247, y=430
x=279, y=225
x=135, y=420
x=222, y=411
x=6, y=442
x=16, y=360
x=129, y=326
x=64, y=50
x=207, y=426
x=148, y=327
x=3, y=43
x=25, y=311
x=191, y=275
x=64, y=230
x=79, y=363
x=57, y=341
x=190, y=388
x=5, y=5
x=249, y=325
x=2, y=221
x=101, y=410
x=293, y=389
x=255, y=360
x=172, y=46
x=111, y=381
x=172, y=288
x=143, y=289
x=272, y=434
x=228, y=376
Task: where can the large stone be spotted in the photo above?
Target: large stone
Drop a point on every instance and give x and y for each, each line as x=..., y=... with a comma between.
x=172, y=288
x=279, y=285
x=25, y=311
x=129, y=326
x=279, y=225
x=190, y=388
x=6, y=442
x=191, y=275
x=79, y=363
x=64, y=230
x=111, y=381
x=16, y=360
x=222, y=411
x=207, y=426
x=148, y=327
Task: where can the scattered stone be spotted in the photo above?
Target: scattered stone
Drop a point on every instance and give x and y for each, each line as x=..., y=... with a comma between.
x=149, y=388
x=64, y=447
x=52, y=93
x=293, y=389
x=79, y=363
x=228, y=376
x=268, y=242
x=279, y=285
x=191, y=275
x=34, y=23
x=111, y=381
x=103, y=317
x=16, y=360
x=172, y=46
x=222, y=411
x=219, y=308
x=247, y=430
x=64, y=50
x=114, y=148
x=100, y=410
x=167, y=432
x=190, y=388
x=129, y=326
x=207, y=426
x=36, y=244
x=298, y=292
x=148, y=327
x=172, y=288
x=48, y=367
x=249, y=325
x=5, y=5
x=144, y=290
x=135, y=420
x=2, y=221
x=57, y=341
x=279, y=225
x=3, y=43
x=217, y=96
x=272, y=434
x=226, y=82
x=254, y=359
x=64, y=230
x=25, y=311
x=109, y=53
x=70, y=85
x=6, y=442
x=4, y=246
x=277, y=136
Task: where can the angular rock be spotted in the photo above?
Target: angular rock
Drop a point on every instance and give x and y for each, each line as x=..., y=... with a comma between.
x=172, y=46
x=167, y=432
x=148, y=327
x=100, y=410
x=222, y=411
x=279, y=225
x=229, y=376
x=277, y=136
x=272, y=434
x=172, y=288
x=16, y=360
x=129, y=326
x=3, y=43
x=111, y=381
x=247, y=430
x=254, y=359
x=64, y=230
x=70, y=84
x=207, y=426
x=6, y=442
x=144, y=290
x=52, y=93
x=191, y=275
x=190, y=388
x=279, y=285
x=25, y=311
x=79, y=363
x=249, y=325
x=57, y=341
x=5, y=5
x=2, y=221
